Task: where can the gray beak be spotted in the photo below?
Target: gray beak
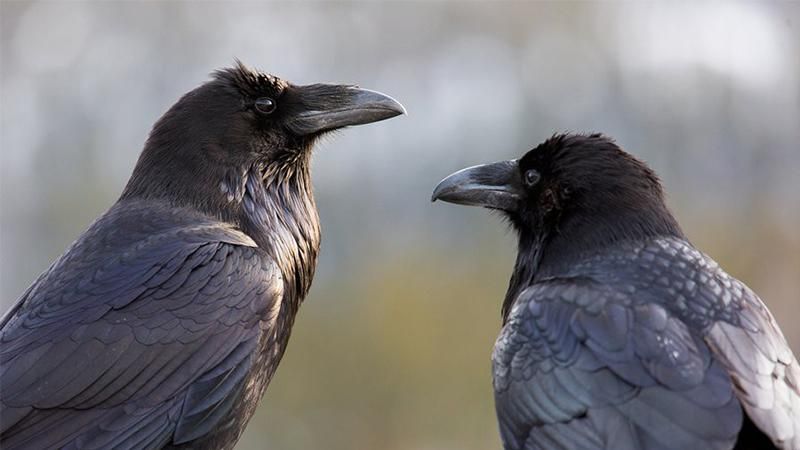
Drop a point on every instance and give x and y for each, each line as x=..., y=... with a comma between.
x=496, y=186
x=325, y=107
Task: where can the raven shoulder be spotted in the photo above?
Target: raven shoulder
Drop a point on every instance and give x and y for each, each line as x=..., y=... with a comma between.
x=141, y=334
x=734, y=322
x=634, y=347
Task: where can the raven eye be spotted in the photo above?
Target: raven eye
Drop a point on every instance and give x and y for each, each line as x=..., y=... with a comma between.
x=531, y=177
x=265, y=105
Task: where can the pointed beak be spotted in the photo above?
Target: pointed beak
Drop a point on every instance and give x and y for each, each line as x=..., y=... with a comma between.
x=325, y=107
x=496, y=186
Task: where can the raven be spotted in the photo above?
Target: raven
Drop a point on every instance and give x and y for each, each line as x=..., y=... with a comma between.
x=162, y=325
x=618, y=333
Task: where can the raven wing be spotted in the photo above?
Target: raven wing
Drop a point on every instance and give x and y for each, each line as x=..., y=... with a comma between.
x=138, y=346
x=582, y=365
x=765, y=372
x=666, y=334
x=736, y=325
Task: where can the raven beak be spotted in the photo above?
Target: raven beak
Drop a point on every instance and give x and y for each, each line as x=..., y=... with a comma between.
x=325, y=107
x=496, y=186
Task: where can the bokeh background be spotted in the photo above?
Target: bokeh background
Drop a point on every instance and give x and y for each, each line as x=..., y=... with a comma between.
x=391, y=349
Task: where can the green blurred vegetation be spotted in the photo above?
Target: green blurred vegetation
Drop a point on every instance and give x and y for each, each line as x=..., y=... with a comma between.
x=392, y=356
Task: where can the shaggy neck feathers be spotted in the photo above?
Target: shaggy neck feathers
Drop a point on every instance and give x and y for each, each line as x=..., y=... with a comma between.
x=279, y=213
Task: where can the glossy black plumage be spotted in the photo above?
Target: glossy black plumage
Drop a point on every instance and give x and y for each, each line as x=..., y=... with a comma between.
x=162, y=325
x=618, y=333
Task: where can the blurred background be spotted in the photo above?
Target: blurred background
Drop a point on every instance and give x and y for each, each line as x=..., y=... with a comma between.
x=392, y=347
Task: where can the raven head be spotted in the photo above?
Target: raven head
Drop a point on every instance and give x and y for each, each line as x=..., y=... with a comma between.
x=570, y=195
x=243, y=119
x=583, y=188
x=279, y=115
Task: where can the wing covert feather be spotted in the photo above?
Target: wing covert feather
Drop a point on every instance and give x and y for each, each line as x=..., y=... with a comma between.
x=567, y=375
x=138, y=345
x=652, y=345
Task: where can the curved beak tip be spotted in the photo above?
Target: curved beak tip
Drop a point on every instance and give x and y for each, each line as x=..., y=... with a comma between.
x=401, y=109
x=448, y=190
x=377, y=100
x=437, y=192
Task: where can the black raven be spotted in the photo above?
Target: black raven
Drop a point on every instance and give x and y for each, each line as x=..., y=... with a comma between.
x=617, y=332
x=162, y=325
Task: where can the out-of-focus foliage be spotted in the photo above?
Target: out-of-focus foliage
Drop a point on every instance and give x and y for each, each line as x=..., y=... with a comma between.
x=391, y=349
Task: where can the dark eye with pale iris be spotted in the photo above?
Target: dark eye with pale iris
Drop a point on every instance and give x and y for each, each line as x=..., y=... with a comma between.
x=265, y=105
x=531, y=177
